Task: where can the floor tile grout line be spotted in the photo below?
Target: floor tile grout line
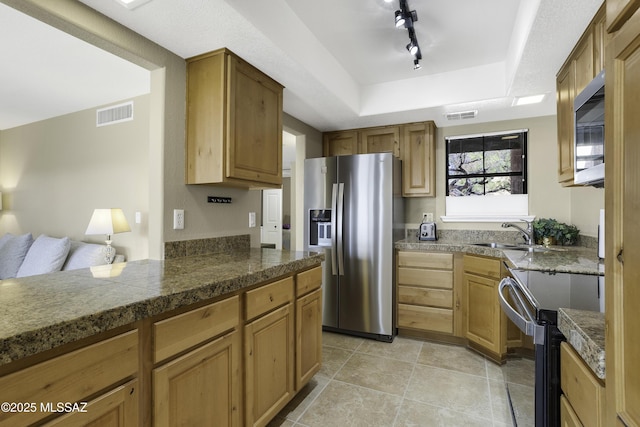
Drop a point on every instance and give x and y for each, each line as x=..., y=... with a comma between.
x=406, y=388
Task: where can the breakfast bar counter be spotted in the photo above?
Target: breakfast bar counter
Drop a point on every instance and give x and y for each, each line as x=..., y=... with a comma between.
x=46, y=311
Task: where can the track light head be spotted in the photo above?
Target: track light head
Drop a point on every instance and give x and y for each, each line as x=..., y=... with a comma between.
x=412, y=48
x=400, y=19
x=416, y=64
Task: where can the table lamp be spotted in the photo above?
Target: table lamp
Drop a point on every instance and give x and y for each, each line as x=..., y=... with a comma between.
x=108, y=221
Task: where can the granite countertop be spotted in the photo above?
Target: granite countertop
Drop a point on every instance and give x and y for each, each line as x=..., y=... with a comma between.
x=46, y=311
x=559, y=259
x=584, y=330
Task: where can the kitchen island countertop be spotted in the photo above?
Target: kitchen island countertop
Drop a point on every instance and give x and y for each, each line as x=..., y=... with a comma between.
x=46, y=311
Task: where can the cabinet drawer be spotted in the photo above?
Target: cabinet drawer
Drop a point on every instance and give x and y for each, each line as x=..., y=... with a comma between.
x=268, y=297
x=308, y=281
x=489, y=267
x=424, y=296
x=425, y=318
x=429, y=278
x=579, y=384
x=71, y=377
x=442, y=261
x=181, y=332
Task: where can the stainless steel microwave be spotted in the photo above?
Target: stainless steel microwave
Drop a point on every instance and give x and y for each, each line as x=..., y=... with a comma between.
x=588, y=151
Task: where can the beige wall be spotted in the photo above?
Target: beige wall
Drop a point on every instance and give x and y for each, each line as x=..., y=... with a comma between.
x=166, y=189
x=547, y=198
x=55, y=172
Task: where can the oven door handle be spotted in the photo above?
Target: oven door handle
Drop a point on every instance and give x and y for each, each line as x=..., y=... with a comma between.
x=527, y=325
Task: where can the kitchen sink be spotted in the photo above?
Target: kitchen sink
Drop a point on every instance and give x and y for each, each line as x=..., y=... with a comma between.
x=512, y=247
x=498, y=245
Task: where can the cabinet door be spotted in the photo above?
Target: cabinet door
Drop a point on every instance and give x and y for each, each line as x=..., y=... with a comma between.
x=584, y=62
x=254, y=125
x=619, y=11
x=483, y=312
x=622, y=196
x=309, y=337
x=565, y=95
x=343, y=143
x=568, y=417
x=418, y=160
x=380, y=140
x=117, y=408
x=269, y=365
x=201, y=388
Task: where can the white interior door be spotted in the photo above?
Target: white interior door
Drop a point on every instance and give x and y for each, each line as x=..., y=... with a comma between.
x=272, y=217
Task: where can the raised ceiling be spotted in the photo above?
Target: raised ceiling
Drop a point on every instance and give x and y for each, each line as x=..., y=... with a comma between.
x=345, y=65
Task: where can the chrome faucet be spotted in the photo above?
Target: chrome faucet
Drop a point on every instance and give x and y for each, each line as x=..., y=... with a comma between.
x=527, y=234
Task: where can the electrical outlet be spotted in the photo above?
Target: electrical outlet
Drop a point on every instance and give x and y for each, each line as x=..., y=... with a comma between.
x=252, y=219
x=427, y=216
x=178, y=219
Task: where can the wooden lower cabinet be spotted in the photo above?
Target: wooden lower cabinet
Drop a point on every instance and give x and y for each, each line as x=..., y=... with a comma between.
x=486, y=324
x=71, y=377
x=583, y=392
x=116, y=408
x=231, y=361
x=269, y=365
x=428, y=298
x=308, y=336
x=568, y=417
x=201, y=387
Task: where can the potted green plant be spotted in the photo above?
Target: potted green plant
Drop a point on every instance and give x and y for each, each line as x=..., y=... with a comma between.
x=548, y=231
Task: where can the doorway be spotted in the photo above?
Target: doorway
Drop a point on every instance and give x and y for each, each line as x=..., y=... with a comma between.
x=278, y=206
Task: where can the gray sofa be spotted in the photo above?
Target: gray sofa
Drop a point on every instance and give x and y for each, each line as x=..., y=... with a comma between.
x=22, y=256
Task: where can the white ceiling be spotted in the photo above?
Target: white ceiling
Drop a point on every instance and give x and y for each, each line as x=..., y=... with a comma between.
x=343, y=63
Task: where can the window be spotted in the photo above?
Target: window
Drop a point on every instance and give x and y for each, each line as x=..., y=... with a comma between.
x=492, y=164
x=486, y=177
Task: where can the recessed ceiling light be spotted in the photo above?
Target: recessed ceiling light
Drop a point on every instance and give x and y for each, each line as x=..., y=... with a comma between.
x=132, y=4
x=526, y=100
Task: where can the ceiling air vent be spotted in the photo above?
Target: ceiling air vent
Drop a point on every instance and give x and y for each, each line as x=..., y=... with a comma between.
x=114, y=114
x=460, y=115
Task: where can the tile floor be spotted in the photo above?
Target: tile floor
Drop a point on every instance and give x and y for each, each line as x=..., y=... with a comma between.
x=406, y=383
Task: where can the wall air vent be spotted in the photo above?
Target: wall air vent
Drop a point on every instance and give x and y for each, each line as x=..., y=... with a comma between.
x=460, y=115
x=114, y=114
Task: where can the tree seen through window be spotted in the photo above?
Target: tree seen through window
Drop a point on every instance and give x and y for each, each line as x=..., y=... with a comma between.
x=487, y=164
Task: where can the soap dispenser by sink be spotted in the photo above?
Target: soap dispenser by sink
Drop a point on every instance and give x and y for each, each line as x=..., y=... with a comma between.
x=427, y=230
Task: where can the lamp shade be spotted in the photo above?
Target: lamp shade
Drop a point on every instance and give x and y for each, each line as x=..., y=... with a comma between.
x=107, y=221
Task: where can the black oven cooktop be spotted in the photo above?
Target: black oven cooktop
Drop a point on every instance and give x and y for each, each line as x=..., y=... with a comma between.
x=563, y=290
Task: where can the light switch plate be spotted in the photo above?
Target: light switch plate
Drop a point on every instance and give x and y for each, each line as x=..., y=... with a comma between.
x=252, y=219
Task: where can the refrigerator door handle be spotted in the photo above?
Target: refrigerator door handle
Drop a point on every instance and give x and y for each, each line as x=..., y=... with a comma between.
x=338, y=230
x=334, y=213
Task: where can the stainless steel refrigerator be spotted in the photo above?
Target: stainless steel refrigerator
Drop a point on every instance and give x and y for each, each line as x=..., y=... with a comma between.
x=354, y=213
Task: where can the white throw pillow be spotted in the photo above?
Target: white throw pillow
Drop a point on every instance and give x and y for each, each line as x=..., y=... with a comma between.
x=46, y=255
x=84, y=255
x=12, y=253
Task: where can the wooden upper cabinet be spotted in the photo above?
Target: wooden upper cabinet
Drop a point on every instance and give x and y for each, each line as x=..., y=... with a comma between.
x=581, y=67
x=234, y=123
x=622, y=193
x=384, y=139
x=418, y=160
x=564, y=99
x=340, y=143
x=618, y=12
x=413, y=143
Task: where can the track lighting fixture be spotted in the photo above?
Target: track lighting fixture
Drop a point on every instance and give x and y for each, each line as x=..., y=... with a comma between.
x=405, y=18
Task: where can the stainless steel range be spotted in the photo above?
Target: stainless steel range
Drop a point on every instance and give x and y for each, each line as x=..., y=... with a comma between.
x=531, y=300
